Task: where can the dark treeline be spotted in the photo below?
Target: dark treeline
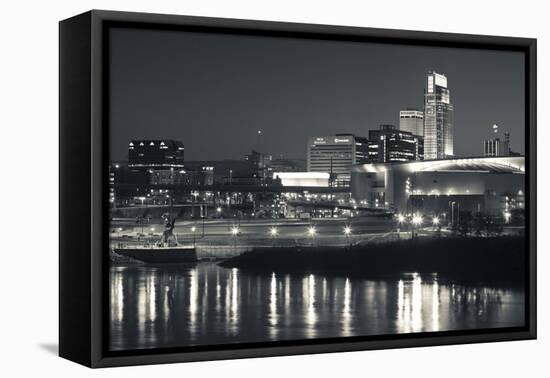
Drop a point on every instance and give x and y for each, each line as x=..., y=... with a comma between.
x=480, y=224
x=484, y=259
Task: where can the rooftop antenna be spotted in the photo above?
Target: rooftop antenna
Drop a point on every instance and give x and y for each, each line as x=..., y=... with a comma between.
x=262, y=161
x=258, y=141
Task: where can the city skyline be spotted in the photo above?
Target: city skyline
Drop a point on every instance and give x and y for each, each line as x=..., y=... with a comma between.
x=288, y=115
x=221, y=241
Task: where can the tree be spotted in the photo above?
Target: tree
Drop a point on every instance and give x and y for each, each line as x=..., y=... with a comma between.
x=465, y=223
x=518, y=217
x=479, y=224
x=487, y=225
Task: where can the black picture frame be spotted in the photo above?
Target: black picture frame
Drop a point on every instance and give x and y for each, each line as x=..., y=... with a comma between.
x=83, y=180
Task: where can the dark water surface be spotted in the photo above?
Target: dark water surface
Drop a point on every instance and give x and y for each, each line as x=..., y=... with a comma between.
x=174, y=306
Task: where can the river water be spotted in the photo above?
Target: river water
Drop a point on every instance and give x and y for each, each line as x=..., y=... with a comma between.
x=175, y=306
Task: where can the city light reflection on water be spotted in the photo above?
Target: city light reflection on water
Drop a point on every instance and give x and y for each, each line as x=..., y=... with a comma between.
x=154, y=307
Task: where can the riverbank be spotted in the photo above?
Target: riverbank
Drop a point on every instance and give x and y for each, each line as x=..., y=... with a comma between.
x=494, y=259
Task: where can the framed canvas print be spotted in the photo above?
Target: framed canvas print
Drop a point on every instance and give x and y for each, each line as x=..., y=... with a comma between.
x=234, y=188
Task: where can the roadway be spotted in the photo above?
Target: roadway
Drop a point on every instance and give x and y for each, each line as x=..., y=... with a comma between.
x=260, y=231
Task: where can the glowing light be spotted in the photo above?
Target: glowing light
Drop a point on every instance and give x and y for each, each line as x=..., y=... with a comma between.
x=417, y=219
x=219, y=209
x=273, y=316
x=347, y=230
x=311, y=231
x=273, y=231
x=317, y=179
x=507, y=216
x=193, y=229
x=435, y=221
x=235, y=231
x=401, y=218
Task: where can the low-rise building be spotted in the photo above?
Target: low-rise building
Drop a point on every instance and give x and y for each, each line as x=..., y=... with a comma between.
x=485, y=184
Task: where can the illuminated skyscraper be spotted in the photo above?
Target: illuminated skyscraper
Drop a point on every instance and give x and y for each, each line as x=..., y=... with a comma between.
x=438, y=118
x=389, y=144
x=336, y=154
x=412, y=121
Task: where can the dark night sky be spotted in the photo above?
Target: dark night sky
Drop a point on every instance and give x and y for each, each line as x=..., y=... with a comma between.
x=213, y=92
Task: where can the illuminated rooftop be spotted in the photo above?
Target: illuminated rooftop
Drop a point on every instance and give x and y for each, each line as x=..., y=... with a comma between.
x=505, y=164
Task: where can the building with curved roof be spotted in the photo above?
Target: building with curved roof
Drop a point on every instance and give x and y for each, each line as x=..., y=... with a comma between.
x=479, y=184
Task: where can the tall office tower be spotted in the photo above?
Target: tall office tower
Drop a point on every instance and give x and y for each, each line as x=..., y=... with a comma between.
x=336, y=154
x=438, y=118
x=412, y=121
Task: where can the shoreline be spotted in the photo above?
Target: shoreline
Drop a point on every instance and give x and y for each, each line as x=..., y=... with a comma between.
x=480, y=259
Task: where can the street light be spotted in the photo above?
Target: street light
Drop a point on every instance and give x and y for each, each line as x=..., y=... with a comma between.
x=507, y=216
x=400, y=220
x=437, y=224
x=234, y=230
x=311, y=231
x=347, y=232
x=416, y=222
x=273, y=231
x=142, y=200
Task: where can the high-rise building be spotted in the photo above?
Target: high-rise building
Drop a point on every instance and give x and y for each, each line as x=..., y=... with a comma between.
x=336, y=154
x=261, y=164
x=438, y=118
x=388, y=144
x=155, y=154
x=497, y=147
x=412, y=121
